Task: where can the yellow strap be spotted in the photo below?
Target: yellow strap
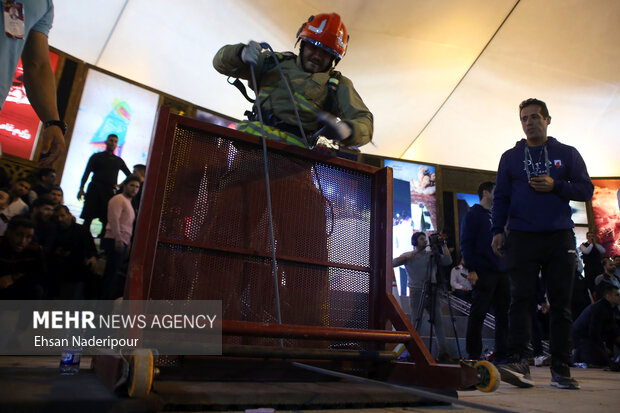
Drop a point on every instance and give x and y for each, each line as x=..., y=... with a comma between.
x=253, y=128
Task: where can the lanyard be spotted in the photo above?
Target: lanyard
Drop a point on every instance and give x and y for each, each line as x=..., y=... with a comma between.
x=527, y=161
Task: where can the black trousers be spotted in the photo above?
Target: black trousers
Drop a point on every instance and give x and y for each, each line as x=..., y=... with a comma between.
x=552, y=253
x=492, y=288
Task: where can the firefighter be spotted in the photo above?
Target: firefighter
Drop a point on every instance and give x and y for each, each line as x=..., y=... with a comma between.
x=326, y=101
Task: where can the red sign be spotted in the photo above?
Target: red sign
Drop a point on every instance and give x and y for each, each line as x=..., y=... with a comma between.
x=19, y=124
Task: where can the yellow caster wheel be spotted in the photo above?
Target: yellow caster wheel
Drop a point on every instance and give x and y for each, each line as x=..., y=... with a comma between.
x=488, y=376
x=140, y=377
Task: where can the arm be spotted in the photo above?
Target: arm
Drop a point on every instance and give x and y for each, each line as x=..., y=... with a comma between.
x=584, y=249
x=87, y=172
x=41, y=90
x=600, y=248
x=355, y=113
x=501, y=200
x=469, y=235
x=124, y=168
x=115, y=207
x=445, y=258
x=397, y=262
x=228, y=62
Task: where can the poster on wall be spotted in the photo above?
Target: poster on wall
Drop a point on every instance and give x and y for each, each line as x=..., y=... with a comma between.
x=19, y=124
x=108, y=105
x=606, y=208
x=415, y=207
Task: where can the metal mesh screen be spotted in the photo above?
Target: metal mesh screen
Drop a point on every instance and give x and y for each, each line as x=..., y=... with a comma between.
x=214, y=234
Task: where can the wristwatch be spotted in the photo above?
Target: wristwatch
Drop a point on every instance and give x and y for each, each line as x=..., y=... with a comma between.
x=62, y=125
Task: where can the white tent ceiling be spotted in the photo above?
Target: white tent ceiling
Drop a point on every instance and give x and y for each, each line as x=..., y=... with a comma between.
x=443, y=77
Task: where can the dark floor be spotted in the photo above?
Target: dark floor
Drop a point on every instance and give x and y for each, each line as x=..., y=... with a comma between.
x=32, y=384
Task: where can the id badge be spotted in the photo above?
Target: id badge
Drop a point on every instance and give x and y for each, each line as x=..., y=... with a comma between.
x=14, y=20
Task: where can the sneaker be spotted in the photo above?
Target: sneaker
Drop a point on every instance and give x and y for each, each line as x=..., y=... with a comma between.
x=563, y=382
x=517, y=374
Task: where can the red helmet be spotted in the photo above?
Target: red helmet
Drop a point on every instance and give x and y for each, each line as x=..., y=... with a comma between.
x=326, y=31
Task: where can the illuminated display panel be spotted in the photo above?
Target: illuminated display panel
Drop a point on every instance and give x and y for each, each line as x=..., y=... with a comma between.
x=415, y=208
x=19, y=124
x=606, y=207
x=108, y=105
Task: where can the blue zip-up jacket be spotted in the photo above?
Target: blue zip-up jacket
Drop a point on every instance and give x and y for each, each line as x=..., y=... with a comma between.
x=476, y=240
x=524, y=209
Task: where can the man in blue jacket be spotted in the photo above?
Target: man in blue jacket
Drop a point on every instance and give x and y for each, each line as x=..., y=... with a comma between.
x=487, y=275
x=535, y=182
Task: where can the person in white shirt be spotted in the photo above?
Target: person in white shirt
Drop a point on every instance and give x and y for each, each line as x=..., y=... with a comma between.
x=591, y=254
x=461, y=287
x=118, y=233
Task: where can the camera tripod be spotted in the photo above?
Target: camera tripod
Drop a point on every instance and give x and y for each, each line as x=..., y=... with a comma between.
x=428, y=300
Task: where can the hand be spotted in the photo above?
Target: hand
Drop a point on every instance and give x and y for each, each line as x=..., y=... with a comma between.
x=544, y=307
x=250, y=53
x=542, y=183
x=119, y=245
x=472, y=277
x=81, y=194
x=333, y=128
x=90, y=262
x=498, y=244
x=52, y=147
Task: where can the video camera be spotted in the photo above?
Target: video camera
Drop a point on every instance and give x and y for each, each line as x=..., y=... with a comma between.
x=436, y=242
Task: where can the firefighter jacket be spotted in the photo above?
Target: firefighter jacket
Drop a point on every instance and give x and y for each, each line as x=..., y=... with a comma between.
x=309, y=90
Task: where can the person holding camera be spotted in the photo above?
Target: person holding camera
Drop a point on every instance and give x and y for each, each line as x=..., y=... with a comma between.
x=421, y=265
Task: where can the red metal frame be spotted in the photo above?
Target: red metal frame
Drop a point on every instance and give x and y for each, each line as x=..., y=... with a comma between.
x=384, y=311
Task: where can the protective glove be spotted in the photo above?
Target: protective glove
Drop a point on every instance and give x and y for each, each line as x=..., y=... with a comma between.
x=250, y=53
x=333, y=128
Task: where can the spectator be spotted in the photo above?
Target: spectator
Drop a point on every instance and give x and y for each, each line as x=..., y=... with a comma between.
x=118, y=234
x=591, y=254
x=140, y=171
x=73, y=256
x=461, y=287
x=44, y=230
x=581, y=296
x=105, y=167
x=56, y=195
x=617, y=263
x=27, y=38
x=4, y=203
x=607, y=277
x=47, y=179
x=491, y=286
x=536, y=180
x=17, y=206
x=422, y=280
x=21, y=263
x=595, y=331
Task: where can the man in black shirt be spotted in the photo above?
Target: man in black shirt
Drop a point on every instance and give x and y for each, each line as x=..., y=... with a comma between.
x=104, y=167
x=595, y=331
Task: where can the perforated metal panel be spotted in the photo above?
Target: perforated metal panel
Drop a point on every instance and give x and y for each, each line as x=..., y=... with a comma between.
x=212, y=232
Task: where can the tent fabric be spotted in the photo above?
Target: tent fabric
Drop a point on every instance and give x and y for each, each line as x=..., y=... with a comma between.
x=443, y=78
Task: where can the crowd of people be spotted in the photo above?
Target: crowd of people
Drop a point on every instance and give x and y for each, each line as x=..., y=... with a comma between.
x=46, y=254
